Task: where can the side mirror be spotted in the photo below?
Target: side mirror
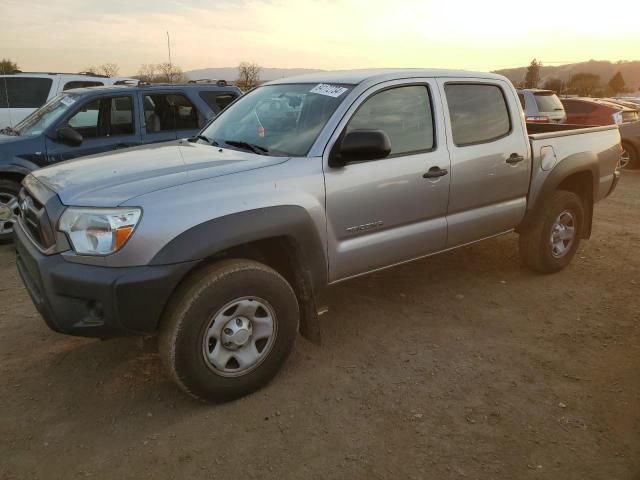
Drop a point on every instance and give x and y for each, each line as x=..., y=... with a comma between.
x=361, y=146
x=68, y=136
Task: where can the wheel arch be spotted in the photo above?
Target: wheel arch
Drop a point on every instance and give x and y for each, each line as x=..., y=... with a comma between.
x=578, y=173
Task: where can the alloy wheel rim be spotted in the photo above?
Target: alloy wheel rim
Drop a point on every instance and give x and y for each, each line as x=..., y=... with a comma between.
x=239, y=336
x=625, y=159
x=9, y=211
x=563, y=233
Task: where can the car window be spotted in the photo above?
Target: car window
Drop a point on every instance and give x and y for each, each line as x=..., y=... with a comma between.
x=24, y=92
x=81, y=84
x=218, y=101
x=170, y=111
x=478, y=113
x=521, y=98
x=403, y=113
x=548, y=102
x=104, y=117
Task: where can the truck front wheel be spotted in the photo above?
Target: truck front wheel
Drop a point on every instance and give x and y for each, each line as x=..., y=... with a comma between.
x=550, y=243
x=228, y=329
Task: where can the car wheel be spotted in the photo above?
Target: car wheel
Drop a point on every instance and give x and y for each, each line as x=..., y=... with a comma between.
x=551, y=242
x=629, y=157
x=9, y=209
x=228, y=329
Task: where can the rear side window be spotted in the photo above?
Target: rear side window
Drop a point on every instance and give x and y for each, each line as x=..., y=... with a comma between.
x=548, y=102
x=217, y=101
x=403, y=113
x=478, y=113
x=81, y=84
x=170, y=111
x=24, y=92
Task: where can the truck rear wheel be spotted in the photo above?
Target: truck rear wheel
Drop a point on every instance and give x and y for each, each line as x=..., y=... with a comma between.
x=228, y=329
x=549, y=245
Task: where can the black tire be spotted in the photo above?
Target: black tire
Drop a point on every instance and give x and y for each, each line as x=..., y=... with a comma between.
x=634, y=157
x=536, y=250
x=190, y=312
x=7, y=188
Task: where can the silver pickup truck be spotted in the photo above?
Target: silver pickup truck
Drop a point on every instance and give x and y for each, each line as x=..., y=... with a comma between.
x=222, y=243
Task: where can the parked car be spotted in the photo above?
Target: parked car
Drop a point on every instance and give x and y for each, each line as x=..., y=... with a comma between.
x=233, y=235
x=629, y=110
x=22, y=93
x=541, y=106
x=630, y=134
x=88, y=121
x=587, y=111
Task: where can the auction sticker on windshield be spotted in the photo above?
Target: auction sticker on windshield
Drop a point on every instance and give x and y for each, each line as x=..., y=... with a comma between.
x=328, y=90
x=68, y=101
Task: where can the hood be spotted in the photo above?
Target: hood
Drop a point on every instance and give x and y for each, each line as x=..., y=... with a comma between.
x=113, y=178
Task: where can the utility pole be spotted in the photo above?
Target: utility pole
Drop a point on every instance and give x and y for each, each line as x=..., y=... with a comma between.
x=170, y=64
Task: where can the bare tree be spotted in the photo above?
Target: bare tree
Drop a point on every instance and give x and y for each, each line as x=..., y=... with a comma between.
x=169, y=73
x=248, y=75
x=148, y=72
x=106, y=69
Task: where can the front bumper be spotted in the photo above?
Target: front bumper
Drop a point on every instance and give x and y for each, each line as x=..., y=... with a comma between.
x=93, y=301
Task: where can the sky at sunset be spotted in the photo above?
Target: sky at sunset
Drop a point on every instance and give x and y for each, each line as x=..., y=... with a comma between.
x=69, y=35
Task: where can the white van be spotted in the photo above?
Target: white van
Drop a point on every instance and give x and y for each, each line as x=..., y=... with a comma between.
x=22, y=93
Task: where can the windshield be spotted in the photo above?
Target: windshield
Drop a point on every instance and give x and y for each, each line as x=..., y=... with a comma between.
x=548, y=102
x=278, y=119
x=39, y=120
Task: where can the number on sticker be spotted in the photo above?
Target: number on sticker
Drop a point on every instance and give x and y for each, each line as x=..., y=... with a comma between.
x=328, y=90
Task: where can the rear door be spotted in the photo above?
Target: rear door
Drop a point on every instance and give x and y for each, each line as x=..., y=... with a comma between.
x=490, y=161
x=383, y=212
x=105, y=123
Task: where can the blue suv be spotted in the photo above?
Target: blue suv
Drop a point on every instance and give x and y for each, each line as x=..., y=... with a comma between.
x=88, y=121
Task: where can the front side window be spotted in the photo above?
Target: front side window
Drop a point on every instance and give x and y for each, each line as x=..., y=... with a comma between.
x=278, y=119
x=217, y=101
x=478, y=113
x=24, y=92
x=403, y=113
x=164, y=112
x=104, y=117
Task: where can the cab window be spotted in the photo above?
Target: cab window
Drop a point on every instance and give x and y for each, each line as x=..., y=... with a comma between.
x=403, y=113
x=105, y=117
x=478, y=113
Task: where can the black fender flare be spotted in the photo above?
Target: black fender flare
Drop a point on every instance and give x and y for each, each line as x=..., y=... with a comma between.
x=211, y=237
x=16, y=169
x=578, y=163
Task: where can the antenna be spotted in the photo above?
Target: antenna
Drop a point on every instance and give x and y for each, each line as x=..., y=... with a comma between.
x=170, y=65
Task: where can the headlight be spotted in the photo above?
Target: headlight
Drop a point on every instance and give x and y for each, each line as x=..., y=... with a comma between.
x=98, y=231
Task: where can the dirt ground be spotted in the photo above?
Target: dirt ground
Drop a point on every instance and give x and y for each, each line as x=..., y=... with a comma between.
x=463, y=365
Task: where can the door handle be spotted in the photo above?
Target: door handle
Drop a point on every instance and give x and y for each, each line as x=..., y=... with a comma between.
x=435, y=172
x=514, y=158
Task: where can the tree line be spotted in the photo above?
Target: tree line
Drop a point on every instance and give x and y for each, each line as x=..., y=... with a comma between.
x=248, y=73
x=583, y=84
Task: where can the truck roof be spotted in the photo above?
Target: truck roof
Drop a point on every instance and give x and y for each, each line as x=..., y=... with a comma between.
x=374, y=75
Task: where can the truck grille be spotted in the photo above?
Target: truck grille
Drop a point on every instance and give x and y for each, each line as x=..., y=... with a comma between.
x=33, y=217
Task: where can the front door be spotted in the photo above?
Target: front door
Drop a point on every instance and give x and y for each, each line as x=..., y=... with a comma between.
x=385, y=211
x=105, y=123
x=490, y=160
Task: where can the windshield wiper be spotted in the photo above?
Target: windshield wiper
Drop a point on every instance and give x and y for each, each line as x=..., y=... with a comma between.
x=248, y=146
x=202, y=137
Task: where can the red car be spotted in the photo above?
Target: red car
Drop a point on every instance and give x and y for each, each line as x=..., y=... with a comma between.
x=586, y=111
